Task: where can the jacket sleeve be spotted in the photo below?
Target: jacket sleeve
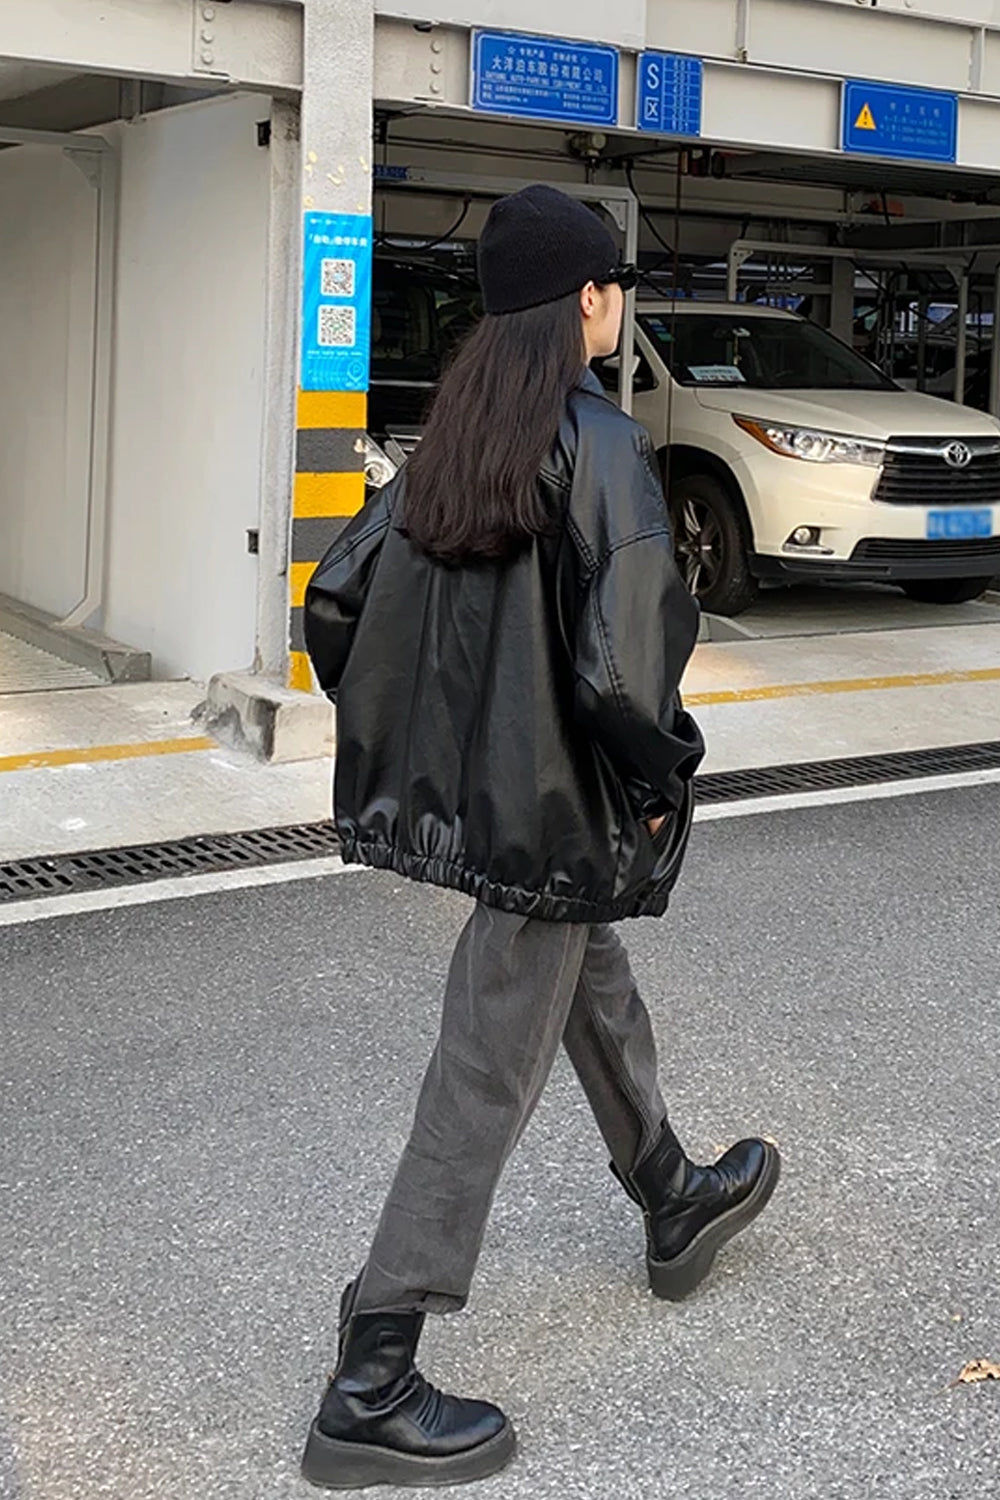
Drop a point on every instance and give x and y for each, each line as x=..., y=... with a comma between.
x=636, y=628
x=337, y=591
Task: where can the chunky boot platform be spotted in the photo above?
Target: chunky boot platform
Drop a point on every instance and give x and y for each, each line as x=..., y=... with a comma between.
x=381, y=1422
x=691, y=1212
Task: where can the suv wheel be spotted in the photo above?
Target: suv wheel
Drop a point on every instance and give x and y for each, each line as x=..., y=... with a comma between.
x=946, y=590
x=709, y=545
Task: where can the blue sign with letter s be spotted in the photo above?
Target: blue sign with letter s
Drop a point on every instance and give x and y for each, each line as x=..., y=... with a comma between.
x=669, y=93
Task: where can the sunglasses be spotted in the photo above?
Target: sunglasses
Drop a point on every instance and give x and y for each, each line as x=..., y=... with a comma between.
x=626, y=276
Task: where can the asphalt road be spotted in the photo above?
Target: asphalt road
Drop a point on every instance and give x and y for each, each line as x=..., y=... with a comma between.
x=201, y=1103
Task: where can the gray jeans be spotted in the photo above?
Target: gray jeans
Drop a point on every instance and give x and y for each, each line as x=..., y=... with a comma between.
x=516, y=989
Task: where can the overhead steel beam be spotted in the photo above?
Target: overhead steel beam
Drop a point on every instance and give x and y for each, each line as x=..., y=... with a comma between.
x=255, y=44
x=622, y=24
x=956, y=259
x=785, y=96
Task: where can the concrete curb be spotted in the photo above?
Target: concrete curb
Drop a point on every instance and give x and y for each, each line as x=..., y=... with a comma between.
x=273, y=723
x=720, y=628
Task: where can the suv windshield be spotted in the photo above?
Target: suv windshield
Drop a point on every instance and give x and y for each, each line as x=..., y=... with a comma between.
x=766, y=353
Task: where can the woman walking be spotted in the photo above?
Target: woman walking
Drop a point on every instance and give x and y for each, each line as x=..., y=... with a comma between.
x=504, y=632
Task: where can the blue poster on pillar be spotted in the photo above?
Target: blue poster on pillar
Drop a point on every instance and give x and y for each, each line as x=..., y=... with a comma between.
x=336, y=302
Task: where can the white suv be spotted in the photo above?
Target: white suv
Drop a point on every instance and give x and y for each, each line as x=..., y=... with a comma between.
x=787, y=456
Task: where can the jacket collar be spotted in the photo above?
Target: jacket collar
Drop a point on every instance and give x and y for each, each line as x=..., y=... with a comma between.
x=591, y=383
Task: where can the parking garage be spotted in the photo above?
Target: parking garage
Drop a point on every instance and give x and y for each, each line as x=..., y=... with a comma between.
x=152, y=523
x=897, y=255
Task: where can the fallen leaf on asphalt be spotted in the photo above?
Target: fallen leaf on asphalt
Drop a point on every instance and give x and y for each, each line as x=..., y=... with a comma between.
x=976, y=1370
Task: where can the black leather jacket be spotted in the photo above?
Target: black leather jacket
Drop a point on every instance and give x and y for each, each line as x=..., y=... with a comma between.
x=507, y=729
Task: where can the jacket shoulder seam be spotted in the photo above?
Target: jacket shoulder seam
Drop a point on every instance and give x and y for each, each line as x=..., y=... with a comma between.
x=630, y=540
x=559, y=480
x=594, y=560
x=582, y=546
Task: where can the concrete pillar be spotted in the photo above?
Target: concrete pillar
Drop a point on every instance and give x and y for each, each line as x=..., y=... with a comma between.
x=336, y=234
x=320, y=250
x=280, y=381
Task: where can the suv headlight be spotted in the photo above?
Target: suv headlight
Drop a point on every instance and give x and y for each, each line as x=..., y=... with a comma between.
x=379, y=467
x=813, y=446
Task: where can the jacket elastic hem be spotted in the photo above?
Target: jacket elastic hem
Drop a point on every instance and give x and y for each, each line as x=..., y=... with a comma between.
x=543, y=906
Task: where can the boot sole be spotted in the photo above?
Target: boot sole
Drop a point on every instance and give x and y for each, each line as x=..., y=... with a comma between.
x=675, y=1279
x=335, y=1465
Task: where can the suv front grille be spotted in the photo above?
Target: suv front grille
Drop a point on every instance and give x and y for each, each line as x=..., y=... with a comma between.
x=892, y=550
x=917, y=473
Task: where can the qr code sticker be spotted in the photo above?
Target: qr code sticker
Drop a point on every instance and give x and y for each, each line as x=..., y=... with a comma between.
x=337, y=327
x=338, y=278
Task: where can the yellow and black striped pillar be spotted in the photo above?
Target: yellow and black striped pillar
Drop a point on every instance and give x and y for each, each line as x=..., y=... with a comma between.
x=329, y=489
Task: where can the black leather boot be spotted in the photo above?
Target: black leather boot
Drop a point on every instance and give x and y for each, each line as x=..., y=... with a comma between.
x=381, y=1422
x=691, y=1212
x=347, y=1297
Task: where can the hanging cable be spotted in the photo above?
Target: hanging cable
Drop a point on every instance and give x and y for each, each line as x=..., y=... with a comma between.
x=644, y=213
x=442, y=239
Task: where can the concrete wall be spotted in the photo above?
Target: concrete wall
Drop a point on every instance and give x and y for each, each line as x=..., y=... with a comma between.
x=47, y=250
x=187, y=406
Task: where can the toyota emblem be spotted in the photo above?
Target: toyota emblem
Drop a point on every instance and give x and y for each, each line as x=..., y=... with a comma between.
x=957, y=456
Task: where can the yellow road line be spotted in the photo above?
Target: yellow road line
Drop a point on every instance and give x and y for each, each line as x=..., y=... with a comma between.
x=840, y=685
x=83, y=755
x=301, y=677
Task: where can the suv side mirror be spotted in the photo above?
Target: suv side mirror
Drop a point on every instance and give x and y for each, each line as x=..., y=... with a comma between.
x=613, y=362
x=643, y=378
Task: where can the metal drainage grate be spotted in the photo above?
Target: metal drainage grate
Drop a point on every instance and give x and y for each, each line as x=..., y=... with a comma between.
x=859, y=770
x=61, y=874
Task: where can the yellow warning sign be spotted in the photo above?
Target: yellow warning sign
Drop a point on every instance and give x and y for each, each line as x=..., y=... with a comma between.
x=865, y=120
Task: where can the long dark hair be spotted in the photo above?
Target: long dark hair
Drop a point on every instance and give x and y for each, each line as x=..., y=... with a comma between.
x=472, y=488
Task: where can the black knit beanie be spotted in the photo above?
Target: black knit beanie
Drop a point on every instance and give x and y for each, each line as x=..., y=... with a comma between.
x=539, y=245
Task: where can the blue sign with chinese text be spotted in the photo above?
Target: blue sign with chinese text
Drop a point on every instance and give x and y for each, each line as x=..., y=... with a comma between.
x=669, y=92
x=336, y=302
x=909, y=124
x=540, y=79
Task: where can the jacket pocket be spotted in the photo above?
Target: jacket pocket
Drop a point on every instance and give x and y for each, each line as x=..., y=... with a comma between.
x=671, y=840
